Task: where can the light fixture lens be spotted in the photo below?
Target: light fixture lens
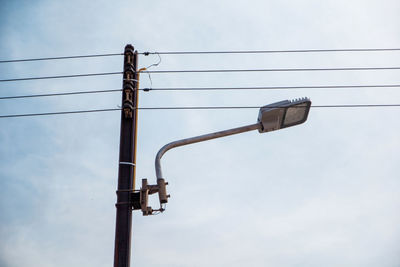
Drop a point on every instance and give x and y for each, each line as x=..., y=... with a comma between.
x=283, y=114
x=295, y=115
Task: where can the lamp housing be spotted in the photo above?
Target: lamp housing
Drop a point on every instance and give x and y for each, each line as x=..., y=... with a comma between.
x=283, y=114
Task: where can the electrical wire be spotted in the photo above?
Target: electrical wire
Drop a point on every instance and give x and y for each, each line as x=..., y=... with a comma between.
x=150, y=66
x=276, y=70
x=209, y=52
x=208, y=71
x=155, y=64
x=61, y=94
x=209, y=88
x=271, y=87
x=57, y=113
x=257, y=107
x=60, y=76
x=272, y=51
x=63, y=57
x=195, y=108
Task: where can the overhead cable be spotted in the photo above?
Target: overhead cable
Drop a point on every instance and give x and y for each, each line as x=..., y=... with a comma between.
x=61, y=94
x=56, y=58
x=57, y=113
x=208, y=89
x=272, y=51
x=276, y=70
x=255, y=107
x=207, y=71
x=60, y=76
x=209, y=52
x=195, y=108
x=271, y=87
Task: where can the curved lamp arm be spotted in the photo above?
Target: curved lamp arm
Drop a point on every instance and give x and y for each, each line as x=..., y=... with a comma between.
x=200, y=138
x=271, y=117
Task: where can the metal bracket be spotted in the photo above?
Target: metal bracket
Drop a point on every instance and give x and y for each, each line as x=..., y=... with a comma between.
x=147, y=190
x=128, y=95
x=135, y=200
x=128, y=113
x=139, y=199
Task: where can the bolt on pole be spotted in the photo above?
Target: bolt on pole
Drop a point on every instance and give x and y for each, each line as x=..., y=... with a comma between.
x=127, y=159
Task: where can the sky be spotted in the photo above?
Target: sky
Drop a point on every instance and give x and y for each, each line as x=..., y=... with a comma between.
x=324, y=193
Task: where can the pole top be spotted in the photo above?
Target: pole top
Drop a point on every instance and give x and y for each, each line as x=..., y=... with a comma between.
x=129, y=48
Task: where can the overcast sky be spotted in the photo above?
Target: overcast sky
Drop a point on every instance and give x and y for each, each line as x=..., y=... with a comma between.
x=325, y=193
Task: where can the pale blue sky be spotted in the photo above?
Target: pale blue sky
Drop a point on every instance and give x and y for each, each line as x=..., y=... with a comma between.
x=326, y=193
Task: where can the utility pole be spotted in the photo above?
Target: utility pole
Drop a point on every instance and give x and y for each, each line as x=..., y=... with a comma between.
x=127, y=159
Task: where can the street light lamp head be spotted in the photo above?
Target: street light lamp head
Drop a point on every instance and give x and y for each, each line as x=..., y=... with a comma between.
x=283, y=114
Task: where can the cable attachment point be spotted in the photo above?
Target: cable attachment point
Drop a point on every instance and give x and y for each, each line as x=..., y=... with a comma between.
x=147, y=190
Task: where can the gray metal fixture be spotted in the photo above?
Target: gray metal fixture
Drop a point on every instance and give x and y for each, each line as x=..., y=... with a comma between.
x=283, y=114
x=271, y=117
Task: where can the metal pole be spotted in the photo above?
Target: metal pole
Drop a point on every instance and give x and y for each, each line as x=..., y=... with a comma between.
x=200, y=138
x=127, y=159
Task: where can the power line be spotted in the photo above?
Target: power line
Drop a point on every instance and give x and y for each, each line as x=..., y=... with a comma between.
x=60, y=76
x=57, y=113
x=208, y=52
x=62, y=57
x=194, y=108
x=274, y=70
x=272, y=51
x=271, y=87
x=61, y=94
x=209, y=89
x=208, y=71
x=256, y=107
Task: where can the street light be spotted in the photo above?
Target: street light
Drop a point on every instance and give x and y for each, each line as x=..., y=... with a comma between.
x=283, y=114
x=271, y=117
